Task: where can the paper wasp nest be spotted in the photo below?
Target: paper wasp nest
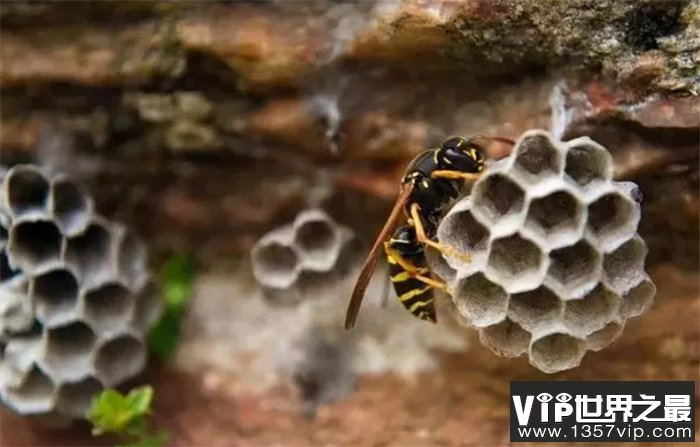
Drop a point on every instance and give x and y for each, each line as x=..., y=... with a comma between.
x=293, y=259
x=75, y=301
x=557, y=266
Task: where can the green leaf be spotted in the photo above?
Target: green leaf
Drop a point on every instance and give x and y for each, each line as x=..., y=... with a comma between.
x=163, y=338
x=177, y=277
x=139, y=400
x=125, y=416
x=110, y=412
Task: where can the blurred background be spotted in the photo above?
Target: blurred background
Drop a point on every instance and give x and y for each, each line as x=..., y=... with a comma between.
x=204, y=125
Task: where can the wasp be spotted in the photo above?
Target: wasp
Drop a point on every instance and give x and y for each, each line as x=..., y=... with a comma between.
x=432, y=181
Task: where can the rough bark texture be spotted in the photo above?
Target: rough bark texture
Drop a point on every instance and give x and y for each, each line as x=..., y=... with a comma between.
x=203, y=125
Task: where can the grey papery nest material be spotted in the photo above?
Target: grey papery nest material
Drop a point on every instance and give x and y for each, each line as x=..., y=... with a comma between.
x=292, y=261
x=557, y=265
x=76, y=302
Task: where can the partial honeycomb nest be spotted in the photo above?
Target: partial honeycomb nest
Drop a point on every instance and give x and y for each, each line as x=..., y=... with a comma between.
x=557, y=266
x=76, y=302
x=291, y=260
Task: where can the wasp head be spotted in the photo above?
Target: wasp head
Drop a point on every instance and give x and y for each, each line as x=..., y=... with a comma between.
x=459, y=154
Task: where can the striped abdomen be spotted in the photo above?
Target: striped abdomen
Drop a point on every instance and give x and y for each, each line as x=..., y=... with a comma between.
x=415, y=295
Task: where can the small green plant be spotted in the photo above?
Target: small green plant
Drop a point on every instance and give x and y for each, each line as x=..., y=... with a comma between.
x=177, y=277
x=126, y=416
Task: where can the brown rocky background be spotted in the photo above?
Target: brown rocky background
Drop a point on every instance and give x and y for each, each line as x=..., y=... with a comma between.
x=203, y=125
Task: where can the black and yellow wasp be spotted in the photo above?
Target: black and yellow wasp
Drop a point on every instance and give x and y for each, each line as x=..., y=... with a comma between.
x=432, y=180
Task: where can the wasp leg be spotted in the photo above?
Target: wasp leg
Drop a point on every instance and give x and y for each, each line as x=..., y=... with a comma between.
x=454, y=175
x=424, y=239
x=412, y=270
x=432, y=282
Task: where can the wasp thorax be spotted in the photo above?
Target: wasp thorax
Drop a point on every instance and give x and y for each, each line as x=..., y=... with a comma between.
x=457, y=153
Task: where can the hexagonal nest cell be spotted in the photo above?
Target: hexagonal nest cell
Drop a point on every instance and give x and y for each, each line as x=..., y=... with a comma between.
x=592, y=312
x=558, y=209
x=516, y=261
x=119, y=359
x=624, y=267
x=557, y=352
x=21, y=352
x=16, y=312
x=33, y=396
x=471, y=235
x=535, y=308
x=131, y=261
x=574, y=269
x=55, y=295
x=107, y=307
x=538, y=157
x=569, y=273
x=276, y=263
x=147, y=308
x=602, y=338
x=506, y=338
x=555, y=218
x=68, y=351
x=480, y=301
x=611, y=219
x=90, y=253
x=34, y=245
x=74, y=398
x=69, y=281
x=316, y=237
x=638, y=299
x=497, y=197
x=588, y=164
x=293, y=261
x=26, y=189
x=70, y=206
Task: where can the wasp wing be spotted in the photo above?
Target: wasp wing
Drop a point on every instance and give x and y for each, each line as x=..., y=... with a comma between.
x=358, y=292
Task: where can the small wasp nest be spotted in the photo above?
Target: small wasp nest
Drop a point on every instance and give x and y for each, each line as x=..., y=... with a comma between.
x=557, y=266
x=75, y=301
x=292, y=260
